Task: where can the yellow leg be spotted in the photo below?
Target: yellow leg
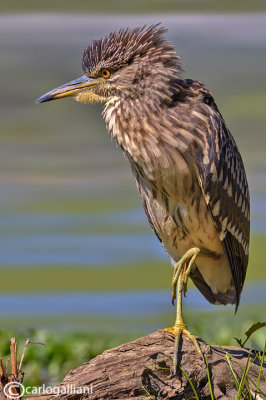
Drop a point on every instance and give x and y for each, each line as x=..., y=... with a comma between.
x=179, y=281
x=189, y=257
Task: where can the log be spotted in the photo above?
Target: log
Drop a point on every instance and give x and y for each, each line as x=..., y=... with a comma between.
x=141, y=369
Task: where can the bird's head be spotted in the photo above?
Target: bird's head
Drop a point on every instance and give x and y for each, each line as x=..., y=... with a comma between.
x=126, y=64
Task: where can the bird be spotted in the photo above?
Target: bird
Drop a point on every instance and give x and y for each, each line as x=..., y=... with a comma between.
x=186, y=164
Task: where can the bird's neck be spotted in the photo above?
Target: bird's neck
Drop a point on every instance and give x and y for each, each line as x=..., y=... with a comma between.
x=150, y=130
x=135, y=118
x=136, y=125
x=129, y=123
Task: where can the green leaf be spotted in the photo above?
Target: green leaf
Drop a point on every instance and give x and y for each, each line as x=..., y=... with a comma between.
x=209, y=377
x=253, y=329
x=190, y=382
x=239, y=341
x=261, y=366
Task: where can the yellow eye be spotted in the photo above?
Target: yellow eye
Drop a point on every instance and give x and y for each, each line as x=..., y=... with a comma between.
x=106, y=73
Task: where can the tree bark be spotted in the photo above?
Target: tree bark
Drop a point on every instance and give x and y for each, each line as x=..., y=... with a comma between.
x=141, y=369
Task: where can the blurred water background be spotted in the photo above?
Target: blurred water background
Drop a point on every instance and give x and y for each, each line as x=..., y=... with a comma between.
x=76, y=251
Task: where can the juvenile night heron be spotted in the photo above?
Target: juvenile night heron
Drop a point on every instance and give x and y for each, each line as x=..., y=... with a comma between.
x=187, y=167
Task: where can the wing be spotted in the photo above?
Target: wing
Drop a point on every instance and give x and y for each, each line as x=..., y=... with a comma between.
x=224, y=185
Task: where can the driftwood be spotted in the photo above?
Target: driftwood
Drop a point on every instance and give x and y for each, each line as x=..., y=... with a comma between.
x=141, y=369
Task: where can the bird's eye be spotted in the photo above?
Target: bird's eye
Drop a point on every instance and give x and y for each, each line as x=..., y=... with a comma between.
x=106, y=73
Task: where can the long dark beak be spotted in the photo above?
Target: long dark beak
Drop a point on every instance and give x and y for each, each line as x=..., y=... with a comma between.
x=68, y=89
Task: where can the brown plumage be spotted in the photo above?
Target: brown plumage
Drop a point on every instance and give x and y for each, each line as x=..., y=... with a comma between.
x=186, y=164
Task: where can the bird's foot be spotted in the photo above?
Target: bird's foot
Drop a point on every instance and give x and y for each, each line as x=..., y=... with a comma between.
x=179, y=283
x=184, y=266
x=177, y=330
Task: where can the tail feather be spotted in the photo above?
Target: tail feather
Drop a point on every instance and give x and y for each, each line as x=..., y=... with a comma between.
x=214, y=298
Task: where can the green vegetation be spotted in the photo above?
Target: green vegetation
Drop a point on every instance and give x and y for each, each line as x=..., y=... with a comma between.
x=242, y=383
x=48, y=364
x=138, y=6
x=218, y=326
x=62, y=352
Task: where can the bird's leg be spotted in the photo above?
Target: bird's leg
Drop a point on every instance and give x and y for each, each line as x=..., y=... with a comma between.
x=179, y=281
x=184, y=266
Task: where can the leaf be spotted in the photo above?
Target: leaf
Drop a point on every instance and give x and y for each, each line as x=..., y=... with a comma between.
x=190, y=382
x=239, y=341
x=249, y=332
x=253, y=329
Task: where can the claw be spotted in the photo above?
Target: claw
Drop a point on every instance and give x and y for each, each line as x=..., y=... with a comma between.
x=173, y=298
x=184, y=288
x=184, y=272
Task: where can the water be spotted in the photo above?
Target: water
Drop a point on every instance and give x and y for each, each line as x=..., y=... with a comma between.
x=31, y=239
x=122, y=304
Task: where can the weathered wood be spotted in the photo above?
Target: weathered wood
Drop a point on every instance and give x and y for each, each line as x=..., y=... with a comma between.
x=141, y=367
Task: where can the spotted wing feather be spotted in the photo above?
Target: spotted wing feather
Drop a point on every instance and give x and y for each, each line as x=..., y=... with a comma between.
x=224, y=185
